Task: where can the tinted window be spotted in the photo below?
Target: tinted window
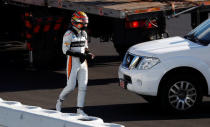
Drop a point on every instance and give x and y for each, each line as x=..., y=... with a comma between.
x=202, y=32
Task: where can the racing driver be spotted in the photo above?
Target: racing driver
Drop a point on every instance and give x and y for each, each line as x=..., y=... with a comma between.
x=75, y=46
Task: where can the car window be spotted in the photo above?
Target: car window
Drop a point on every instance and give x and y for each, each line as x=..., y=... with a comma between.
x=202, y=32
x=205, y=35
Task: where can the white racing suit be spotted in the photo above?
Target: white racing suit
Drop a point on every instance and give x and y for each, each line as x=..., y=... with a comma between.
x=77, y=69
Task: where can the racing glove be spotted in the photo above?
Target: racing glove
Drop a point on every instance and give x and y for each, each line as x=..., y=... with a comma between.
x=89, y=55
x=82, y=56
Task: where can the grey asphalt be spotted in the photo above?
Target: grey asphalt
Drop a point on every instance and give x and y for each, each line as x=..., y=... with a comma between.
x=105, y=98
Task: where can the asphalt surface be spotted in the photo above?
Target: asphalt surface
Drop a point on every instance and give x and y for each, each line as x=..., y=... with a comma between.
x=105, y=99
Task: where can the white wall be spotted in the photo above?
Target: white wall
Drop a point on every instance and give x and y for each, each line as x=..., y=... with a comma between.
x=15, y=114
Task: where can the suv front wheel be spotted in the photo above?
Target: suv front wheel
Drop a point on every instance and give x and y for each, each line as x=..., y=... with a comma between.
x=181, y=93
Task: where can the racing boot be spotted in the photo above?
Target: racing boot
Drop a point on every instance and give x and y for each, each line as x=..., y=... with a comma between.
x=81, y=112
x=59, y=104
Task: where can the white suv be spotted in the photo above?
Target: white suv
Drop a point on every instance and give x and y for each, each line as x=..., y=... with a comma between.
x=174, y=71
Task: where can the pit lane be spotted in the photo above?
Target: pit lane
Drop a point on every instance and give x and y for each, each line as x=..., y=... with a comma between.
x=105, y=99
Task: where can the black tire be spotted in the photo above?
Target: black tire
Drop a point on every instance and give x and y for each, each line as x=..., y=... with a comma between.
x=181, y=93
x=123, y=37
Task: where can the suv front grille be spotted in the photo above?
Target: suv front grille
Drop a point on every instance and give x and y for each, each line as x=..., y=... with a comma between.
x=131, y=61
x=127, y=60
x=127, y=79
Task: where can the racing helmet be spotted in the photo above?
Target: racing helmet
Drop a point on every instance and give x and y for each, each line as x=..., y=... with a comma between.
x=79, y=20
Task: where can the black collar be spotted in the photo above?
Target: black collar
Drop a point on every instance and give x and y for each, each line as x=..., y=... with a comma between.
x=74, y=31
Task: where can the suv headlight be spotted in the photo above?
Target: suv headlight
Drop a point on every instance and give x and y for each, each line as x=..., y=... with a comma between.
x=147, y=63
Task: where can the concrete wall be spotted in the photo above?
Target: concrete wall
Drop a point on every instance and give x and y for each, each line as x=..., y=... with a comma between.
x=15, y=114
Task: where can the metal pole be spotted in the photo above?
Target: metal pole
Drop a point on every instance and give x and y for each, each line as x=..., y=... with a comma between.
x=185, y=11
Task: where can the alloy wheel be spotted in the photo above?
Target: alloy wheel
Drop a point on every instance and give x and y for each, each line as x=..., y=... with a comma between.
x=182, y=95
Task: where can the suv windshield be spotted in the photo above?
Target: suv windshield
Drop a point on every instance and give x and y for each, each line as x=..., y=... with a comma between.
x=200, y=34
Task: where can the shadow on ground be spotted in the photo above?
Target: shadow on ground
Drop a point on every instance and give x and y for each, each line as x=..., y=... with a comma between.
x=140, y=112
x=17, y=75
